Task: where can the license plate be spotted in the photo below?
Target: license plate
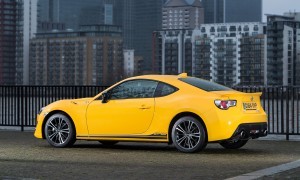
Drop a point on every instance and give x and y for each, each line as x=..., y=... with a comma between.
x=250, y=105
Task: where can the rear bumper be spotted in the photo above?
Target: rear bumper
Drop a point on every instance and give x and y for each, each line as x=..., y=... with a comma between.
x=250, y=131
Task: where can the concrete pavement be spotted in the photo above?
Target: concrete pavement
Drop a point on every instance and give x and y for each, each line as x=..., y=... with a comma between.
x=24, y=157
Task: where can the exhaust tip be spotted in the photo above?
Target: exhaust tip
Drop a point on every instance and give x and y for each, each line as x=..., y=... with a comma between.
x=242, y=134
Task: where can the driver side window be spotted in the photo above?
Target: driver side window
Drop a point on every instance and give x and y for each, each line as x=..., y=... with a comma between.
x=134, y=89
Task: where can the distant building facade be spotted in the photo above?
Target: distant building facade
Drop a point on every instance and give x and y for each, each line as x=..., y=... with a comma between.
x=49, y=26
x=74, y=13
x=137, y=18
x=178, y=14
x=128, y=62
x=172, y=52
x=243, y=11
x=173, y=45
x=30, y=24
x=283, y=58
x=232, y=11
x=91, y=56
x=253, y=55
x=147, y=18
x=228, y=53
x=213, y=11
x=11, y=41
x=138, y=65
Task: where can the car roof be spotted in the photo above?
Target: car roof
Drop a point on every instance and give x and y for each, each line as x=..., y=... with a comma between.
x=164, y=78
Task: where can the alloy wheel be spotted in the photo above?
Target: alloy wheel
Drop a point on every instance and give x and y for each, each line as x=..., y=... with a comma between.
x=59, y=131
x=188, y=135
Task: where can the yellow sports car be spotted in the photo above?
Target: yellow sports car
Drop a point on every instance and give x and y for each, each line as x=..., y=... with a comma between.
x=186, y=111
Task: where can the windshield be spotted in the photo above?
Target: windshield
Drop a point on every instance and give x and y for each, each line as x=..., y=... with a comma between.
x=204, y=85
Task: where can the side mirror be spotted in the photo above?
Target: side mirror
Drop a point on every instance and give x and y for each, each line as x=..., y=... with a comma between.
x=104, y=97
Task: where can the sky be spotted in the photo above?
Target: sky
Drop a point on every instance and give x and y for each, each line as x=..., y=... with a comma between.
x=279, y=7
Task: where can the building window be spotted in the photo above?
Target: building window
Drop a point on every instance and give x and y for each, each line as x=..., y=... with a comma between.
x=232, y=28
x=246, y=28
x=255, y=28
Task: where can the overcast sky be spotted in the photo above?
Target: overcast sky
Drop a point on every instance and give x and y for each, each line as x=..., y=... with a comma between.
x=279, y=7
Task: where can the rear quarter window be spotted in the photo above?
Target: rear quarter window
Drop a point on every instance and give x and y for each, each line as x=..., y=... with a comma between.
x=164, y=89
x=204, y=85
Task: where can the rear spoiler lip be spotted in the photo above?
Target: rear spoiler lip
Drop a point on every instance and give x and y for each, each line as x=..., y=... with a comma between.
x=236, y=93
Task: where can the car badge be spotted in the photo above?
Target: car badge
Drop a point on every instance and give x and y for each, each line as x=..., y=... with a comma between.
x=252, y=98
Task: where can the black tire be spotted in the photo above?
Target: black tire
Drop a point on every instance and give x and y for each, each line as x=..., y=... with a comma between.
x=60, y=131
x=188, y=135
x=108, y=143
x=233, y=145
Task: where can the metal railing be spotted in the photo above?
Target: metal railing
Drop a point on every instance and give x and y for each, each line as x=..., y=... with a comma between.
x=20, y=104
x=282, y=107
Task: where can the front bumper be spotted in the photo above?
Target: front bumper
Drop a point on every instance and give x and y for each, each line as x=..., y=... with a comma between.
x=250, y=131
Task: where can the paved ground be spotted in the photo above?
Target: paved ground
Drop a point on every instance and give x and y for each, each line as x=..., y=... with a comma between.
x=22, y=156
x=291, y=174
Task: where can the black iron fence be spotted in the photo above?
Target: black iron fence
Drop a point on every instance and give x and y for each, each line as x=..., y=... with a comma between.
x=20, y=104
x=282, y=107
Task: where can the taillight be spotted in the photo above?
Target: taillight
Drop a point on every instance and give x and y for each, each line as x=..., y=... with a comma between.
x=225, y=104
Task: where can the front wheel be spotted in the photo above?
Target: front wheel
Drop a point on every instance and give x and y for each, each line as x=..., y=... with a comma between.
x=59, y=131
x=233, y=144
x=188, y=135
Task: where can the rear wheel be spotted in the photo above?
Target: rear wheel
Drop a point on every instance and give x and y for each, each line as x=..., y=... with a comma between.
x=59, y=131
x=188, y=135
x=108, y=143
x=233, y=145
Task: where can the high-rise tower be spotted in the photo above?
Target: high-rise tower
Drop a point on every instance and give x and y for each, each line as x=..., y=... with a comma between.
x=227, y=11
x=11, y=52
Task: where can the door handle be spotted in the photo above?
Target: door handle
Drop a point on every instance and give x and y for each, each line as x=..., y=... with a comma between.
x=144, y=107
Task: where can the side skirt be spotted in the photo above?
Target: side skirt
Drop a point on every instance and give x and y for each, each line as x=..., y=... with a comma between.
x=133, y=138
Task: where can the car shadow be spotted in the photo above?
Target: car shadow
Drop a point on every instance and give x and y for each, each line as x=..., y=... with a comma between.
x=213, y=149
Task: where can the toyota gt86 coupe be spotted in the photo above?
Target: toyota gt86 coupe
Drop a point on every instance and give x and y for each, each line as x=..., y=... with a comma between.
x=185, y=111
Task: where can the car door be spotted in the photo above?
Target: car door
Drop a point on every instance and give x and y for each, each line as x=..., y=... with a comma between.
x=129, y=109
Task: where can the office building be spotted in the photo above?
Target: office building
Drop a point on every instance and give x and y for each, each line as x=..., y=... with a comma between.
x=29, y=29
x=11, y=38
x=173, y=45
x=148, y=18
x=91, y=56
x=223, y=52
x=231, y=48
x=253, y=57
x=172, y=52
x=230, y=11
x=137, y=18
x=178, y=14
x=283, y=56
x=73, y=13
x=213, y=11
x=243, y=11
x=128, y=62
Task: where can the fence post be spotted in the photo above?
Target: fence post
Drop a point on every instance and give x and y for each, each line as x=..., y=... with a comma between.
x=22, y=108
x=287, y=113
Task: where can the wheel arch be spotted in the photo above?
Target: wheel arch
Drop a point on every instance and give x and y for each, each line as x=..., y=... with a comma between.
x=184, y=114
x=52, y=113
